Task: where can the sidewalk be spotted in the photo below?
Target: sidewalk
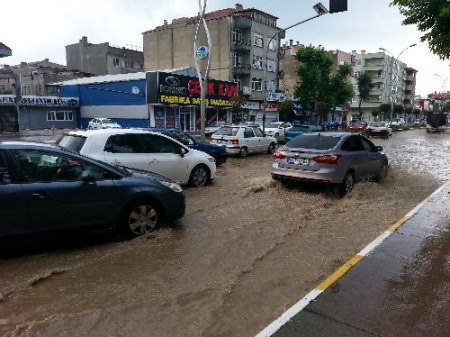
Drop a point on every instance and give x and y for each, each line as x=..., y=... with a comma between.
x=398, y=286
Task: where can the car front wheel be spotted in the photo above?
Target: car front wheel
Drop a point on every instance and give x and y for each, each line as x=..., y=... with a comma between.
x=139, y=217
x=199, y=176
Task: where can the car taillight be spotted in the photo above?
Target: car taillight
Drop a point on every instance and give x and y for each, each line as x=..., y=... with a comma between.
x=327, y=159
x=278, y=155
x=235, y=141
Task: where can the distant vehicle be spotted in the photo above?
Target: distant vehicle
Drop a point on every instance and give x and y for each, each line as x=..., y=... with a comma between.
x=299, y=130
x=277, y=129
x=47, y=188
x=398, y=124
x=357, y=126
x=214, y=127
x=329, y=158
x=243, y=139
x=436, y=122
x=217, y=152
x=417, y=123
x=102, y=123
x=378, y=129
x=331, y=125
x=141, y=149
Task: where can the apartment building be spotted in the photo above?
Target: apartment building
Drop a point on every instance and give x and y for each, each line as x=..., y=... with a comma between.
x=240, y=39
x=102, y=58
x=393, y=81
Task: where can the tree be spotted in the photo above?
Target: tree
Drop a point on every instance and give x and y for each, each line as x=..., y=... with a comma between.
x=287, y=111
x=340, y=90
x=314, y=72
x=398, y=109
x=432, y=17
x=365, y=86
x=385, y=109
x=376, y=112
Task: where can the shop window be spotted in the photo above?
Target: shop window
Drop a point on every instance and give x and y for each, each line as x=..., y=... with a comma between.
x=60, y=116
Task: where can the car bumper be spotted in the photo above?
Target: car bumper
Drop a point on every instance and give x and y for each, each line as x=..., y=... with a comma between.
x=175, y=206
x=322, y=176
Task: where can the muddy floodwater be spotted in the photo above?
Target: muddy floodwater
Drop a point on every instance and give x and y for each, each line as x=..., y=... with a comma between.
x=246, y=250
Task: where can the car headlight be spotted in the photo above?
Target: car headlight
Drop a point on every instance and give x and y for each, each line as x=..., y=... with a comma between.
x=173, y=186
x=211, y=159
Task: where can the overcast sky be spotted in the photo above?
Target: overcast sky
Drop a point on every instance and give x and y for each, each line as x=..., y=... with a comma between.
x=36, y=30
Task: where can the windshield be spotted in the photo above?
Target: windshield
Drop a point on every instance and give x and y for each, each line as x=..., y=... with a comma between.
x=71, y=142
x=227, y=131
x=273, y=125
x=317, y=142
x=107, y=121
x=185, y=138
x=377, y=124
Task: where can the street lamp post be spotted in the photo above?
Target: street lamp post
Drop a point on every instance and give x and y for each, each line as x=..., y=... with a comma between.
x=444, y=80
x=396, y=61
x=320, y=10
x=202, y=53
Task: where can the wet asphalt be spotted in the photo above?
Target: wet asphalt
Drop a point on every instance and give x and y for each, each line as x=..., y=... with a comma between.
x=400, y=288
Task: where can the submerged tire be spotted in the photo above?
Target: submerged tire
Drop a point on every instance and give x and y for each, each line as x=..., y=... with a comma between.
x=199, y=176
x=345, y=187
x=383, y=174
x=140, y=217
x=243, y=152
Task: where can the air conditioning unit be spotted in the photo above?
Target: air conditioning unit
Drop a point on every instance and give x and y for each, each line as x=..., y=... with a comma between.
x=246, y=90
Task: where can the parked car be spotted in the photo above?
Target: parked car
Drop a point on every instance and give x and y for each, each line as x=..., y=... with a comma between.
x=331, y=125
x=217, y=152
x=145, y=150
x=277, y=129
x=398, y=124
x=300, y=130
x=357, y=126
x=330, y=158
x=44, y=187
x=209, y=130
x=102, y=123
x=378, y=129
x=242, y=139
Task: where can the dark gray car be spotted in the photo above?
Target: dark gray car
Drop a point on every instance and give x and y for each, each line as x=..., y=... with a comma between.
x=330, y=158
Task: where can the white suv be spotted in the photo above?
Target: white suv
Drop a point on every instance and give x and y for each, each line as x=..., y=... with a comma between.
x=145, y=150
x=243, y=139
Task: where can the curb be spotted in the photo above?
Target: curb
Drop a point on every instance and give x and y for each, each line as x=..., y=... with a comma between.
x=341, y=271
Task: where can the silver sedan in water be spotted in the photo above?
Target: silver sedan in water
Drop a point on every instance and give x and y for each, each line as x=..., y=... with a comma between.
x=330, y=158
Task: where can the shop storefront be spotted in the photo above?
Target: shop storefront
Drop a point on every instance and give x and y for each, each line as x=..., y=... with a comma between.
x=38, y=112
x=174, y=101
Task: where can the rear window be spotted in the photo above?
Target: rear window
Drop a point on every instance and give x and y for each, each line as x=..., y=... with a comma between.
x=72, y=142
x=316, y=142
x=227, y=131
x=301, y=128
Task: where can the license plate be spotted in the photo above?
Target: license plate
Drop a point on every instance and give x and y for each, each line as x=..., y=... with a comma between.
x=298, y=161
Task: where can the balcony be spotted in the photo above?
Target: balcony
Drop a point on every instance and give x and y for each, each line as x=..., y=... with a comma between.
x=242, y=22
x=242, y=69
x=242, y=45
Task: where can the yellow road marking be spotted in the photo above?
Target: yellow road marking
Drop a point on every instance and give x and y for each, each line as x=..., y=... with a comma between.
x=338, y=273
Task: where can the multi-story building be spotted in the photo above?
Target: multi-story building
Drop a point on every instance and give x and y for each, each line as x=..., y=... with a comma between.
x=5, y=50
x=102, y=58
x=394, y=82
x=241, y=39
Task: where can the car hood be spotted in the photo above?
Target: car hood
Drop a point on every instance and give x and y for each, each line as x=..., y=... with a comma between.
x=210, y=148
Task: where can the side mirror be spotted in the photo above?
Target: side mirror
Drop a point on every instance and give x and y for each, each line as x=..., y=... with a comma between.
x=87, y=177
x=379, y=148
x=181, y=151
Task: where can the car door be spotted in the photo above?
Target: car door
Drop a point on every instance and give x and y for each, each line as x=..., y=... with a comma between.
x=147, y=151
x=250, y=140
x=373, y=162
x=56, y=195
x=354, y=153
x=263, y=142
x=13, y=207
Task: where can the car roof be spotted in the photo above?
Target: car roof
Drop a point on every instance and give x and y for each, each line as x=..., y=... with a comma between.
x=26, y=144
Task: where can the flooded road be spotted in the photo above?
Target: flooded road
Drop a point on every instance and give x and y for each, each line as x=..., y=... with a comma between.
x=246, y=250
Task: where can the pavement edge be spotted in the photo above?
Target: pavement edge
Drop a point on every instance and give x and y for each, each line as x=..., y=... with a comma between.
x=342, y=270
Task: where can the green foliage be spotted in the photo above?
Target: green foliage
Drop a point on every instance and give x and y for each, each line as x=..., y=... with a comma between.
x=417, y=112
x=237, y=102
x=432, y=18
x=287, y=111
x=365, y=86
x=318, y=89
x=376, y=112
x=446, y=107
x=398, y=109
x=409, y=110
x=385, y=107
x=314, y=69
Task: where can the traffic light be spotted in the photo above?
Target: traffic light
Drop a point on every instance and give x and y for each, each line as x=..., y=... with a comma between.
x=338, y=6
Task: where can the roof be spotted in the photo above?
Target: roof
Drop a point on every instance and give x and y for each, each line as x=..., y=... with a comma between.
x=121, y=77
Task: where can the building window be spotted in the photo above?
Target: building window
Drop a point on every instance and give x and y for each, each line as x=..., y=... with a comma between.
x=256, y=84
x=257, y=62
x=237, y=35
x=258, y=40
x=273, y=45
x=59, y=116
x=271, y=65
x=238, y=82
x=270, y=86
x=237, y=59
x=357, y=74
x=116, y=62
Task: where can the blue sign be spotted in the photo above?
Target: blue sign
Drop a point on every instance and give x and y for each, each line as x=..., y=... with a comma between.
x=202, y=52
